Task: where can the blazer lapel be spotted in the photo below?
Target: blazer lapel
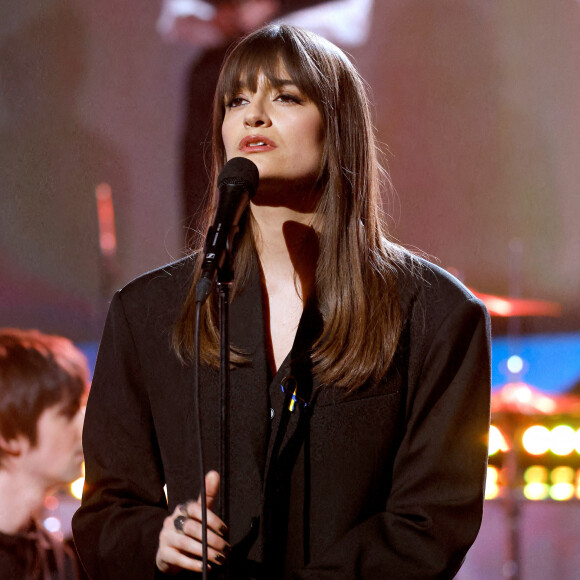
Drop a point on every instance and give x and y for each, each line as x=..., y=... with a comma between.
x=289, y=432
x=248, y=411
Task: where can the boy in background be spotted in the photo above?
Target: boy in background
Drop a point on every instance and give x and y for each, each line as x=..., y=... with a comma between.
x=43, y=387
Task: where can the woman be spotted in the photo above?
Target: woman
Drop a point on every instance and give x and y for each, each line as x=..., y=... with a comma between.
x=360, y=382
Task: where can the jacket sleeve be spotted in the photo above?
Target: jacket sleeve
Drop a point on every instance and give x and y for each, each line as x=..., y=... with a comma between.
x=434, y=508
x=116, y=529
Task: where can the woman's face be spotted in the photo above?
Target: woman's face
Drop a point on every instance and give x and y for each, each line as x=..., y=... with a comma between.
x=278, y=128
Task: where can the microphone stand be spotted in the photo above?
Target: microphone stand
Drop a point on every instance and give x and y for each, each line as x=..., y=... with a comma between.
x=224, y=280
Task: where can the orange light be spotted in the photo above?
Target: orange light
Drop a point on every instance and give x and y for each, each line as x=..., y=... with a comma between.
x=562, y=474
x=492, y=483
x=106, y=217
x=500, y=306
x=76, y=487
x=51, y=503
x=536, y=474
x=497, y=441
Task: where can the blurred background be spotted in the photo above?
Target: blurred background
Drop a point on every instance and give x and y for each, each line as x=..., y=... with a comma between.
x=477, y=105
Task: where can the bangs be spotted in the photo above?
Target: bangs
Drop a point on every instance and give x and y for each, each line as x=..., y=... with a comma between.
x=275, y=53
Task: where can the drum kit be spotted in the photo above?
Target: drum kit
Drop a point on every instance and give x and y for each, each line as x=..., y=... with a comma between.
x=515, y=406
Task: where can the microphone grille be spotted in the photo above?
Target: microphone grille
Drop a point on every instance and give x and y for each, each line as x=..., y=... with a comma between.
x=240, y=171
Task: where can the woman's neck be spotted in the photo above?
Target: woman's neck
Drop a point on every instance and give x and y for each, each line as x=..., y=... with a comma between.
x=287, y=245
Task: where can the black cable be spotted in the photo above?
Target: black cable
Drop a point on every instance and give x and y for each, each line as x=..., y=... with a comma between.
x=199, y=445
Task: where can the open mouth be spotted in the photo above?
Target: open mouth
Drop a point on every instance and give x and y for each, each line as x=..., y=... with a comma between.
x=256, y=143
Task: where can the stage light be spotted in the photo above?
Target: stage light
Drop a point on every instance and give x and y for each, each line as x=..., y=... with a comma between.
x=577, y=441
x=492, y=483
x=562, y=440
x=562, y=491
x=536, y=474
x=492, y=474
x=536, y=491
x=515, y=364
x=536, y=487
x=562, y=474
x=497, y=441
x=106, y=219
x=51, y=503
x=52, y=524
x=536, y=440
x=76, y=487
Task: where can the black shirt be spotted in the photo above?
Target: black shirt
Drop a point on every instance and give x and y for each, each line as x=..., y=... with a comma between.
x=37, y=555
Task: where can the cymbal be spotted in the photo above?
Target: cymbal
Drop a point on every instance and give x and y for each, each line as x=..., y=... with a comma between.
x=522, y=399
x=506, y=307
x=519, y=398
x=568, y=405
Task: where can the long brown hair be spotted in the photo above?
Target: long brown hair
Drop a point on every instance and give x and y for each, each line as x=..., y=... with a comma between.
x=357, y=267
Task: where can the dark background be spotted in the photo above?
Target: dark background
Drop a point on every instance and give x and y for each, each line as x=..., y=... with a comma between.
x=477, y=104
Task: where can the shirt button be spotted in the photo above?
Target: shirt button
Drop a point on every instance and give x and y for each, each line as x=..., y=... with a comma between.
x=271, y=412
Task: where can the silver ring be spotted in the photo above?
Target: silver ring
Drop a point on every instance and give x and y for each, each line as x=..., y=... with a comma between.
x=178, y=523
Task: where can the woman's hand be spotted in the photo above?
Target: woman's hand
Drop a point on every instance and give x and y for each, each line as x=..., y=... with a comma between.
x=180, y=546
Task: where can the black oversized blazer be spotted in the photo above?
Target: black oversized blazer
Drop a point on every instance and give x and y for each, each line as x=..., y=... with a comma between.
x=387, y=482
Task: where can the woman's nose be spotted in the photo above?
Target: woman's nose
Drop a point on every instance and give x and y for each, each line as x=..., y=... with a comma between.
x=257, y=114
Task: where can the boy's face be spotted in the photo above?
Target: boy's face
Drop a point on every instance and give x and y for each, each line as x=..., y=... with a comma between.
x=57, y=456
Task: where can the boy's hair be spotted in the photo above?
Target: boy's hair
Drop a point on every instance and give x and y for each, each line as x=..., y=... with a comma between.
x=37, y=371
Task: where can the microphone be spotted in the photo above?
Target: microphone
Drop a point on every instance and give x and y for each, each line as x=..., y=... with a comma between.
x=237, y=184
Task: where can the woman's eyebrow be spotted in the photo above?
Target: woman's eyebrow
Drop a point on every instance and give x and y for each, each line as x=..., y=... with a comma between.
x=277, y=83
x=283, y=82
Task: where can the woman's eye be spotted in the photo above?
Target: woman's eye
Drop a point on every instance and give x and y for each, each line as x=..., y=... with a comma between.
x=289, y=98
x=235, y=102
